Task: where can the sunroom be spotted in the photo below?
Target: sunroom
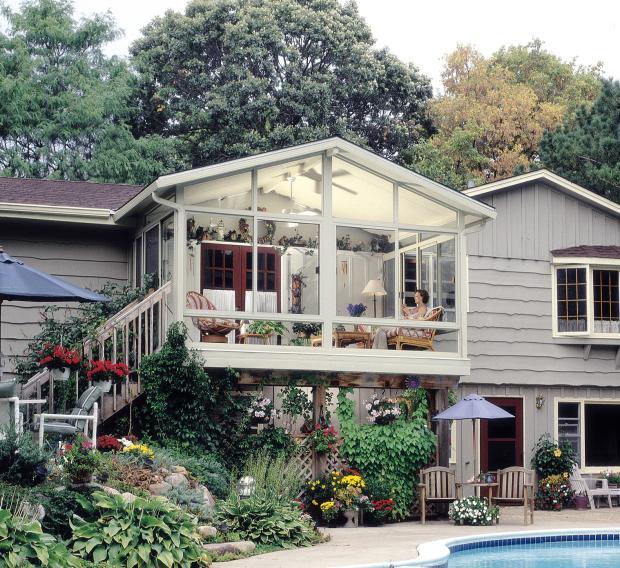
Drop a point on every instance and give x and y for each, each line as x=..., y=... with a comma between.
x=309, y=259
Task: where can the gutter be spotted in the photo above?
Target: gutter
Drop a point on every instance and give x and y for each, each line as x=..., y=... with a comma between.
x=57, y=213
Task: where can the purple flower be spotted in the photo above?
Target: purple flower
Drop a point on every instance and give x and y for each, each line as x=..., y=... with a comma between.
x=356, y=310
x=412, y=382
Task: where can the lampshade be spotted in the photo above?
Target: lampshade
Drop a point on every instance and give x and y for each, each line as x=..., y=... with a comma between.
x=374, y=288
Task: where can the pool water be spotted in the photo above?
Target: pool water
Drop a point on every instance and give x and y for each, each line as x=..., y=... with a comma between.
x=572, y=554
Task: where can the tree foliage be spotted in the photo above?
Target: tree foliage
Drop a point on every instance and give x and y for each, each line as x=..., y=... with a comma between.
x=64, y=105
x=236, y=77
x=586, y=150
x=494, y=111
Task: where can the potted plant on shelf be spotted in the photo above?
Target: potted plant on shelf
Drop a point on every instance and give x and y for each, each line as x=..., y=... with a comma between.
x=382, y=411
x=267, y=328
x=104, y=373
x=306, y=330
x=59, y=360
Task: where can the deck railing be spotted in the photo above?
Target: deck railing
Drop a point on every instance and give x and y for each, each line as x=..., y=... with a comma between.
x=138, y=330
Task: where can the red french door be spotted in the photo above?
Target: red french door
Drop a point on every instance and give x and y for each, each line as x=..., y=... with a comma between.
x=229, y=267
x=501, y=441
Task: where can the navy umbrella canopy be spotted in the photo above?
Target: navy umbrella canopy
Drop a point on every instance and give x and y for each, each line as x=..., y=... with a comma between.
x=21, y=282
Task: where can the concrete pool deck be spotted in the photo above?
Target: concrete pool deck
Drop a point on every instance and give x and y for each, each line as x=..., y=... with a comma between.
x=399, y=541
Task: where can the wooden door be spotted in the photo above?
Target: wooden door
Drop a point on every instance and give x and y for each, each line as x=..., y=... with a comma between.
x=501, y=441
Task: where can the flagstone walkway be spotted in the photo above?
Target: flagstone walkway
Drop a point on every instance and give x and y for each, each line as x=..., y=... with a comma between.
x=399, y=541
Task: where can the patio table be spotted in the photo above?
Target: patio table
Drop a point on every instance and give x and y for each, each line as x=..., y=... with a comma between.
x=478, y=485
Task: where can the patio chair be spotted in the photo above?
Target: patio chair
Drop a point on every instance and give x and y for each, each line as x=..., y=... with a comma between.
x=415, y=337
x=76, y=421
x=437, y=484
x=516, y=484
x=591, y=488
x=212, y=330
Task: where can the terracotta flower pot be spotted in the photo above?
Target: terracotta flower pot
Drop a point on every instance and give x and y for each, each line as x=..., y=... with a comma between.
x=581, y=502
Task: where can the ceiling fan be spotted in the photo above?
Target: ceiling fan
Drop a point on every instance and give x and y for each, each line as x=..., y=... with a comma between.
x=299, y=208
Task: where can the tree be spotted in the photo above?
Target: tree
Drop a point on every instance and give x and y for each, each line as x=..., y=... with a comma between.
x=236, y=77
x=63, y=104
x=494, y=111
x=587, y=150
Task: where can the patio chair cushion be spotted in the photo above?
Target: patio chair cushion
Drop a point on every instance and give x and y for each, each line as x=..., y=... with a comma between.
x=7, y=388
x=88, y=398
x=61, y=428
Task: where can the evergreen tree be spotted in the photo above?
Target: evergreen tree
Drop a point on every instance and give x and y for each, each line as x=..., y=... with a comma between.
x=236, y=77
x=587, y=150
x=64, y=105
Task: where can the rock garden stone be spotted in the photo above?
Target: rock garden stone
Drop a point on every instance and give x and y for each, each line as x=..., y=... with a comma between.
x=206, y=532
x=180, y=469
x=110, y=490
x=159, y=488
x=177, y=480
x=128, y=497
x=239, y=547
x=207, y=498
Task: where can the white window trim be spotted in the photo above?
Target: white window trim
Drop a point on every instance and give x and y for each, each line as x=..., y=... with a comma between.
x=590, y=264
x=582, y=429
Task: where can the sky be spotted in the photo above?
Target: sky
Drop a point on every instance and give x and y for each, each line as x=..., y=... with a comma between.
x=424, y=32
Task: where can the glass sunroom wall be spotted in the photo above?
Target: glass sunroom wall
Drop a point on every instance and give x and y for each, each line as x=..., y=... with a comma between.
x=364, y=272
x=227, y=192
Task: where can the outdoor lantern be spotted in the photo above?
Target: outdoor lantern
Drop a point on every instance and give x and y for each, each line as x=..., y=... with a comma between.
x=245, y=486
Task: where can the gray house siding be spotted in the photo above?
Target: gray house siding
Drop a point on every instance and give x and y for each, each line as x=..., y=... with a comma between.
x=88, y=256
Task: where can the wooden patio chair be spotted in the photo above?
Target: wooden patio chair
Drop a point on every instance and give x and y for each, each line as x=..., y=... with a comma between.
x=415, y=337
x=591, y=488
x=212, y=330
x=437, y=484
x=516, y=484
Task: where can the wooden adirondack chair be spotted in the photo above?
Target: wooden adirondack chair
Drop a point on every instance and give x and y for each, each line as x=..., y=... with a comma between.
x=436, y=484
x=591, y=488
x=516, y=484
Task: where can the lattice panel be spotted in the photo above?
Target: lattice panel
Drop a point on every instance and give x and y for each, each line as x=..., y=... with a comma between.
x=305, y=457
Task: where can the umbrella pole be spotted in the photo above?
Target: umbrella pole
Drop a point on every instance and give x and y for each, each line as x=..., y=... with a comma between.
x=473, y=447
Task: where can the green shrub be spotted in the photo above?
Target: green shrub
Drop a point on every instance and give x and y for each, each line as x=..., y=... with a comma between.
x=24, y=544
x=273, y=440
x=393, y=453
x=21, y=460
x=147, y=533
x=261, y=520
x=551, y=458
x=192, y=501
x=60, y=505
x=206, y=468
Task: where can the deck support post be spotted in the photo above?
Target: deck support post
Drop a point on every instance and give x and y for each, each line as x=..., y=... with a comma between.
x=319, y=461
x=443, y=429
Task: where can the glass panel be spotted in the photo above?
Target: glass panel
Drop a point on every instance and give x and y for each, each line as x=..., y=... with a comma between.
x=602, y=433
x=218, y=263
x=230, y=192
x=138, y=267
x=167, y=249
x=432, y=258
x=364, y=266
x=359, y=194
x=288, y=267
x=151, y=254
x=571, y=300
x=401, y=337
x=294, y=188
x=413, y=209
x=606, y=301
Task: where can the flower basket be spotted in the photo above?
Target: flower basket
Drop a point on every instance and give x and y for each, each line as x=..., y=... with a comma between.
x=382, y=411
x=61, y=373
x=59, y=360
x=383, y=420
x=261, y=411
x=104, y=371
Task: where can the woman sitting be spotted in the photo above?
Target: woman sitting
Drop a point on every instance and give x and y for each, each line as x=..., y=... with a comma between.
x=420, y=312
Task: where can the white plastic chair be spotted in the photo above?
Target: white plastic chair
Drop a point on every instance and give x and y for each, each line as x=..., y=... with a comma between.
x=591, y=488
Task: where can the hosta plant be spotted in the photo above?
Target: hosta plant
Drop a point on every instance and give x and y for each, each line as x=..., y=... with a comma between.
x=24, y=544
x=473, y=511
x=150, y=533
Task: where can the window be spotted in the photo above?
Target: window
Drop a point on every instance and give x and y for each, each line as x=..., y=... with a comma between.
x=587, y=300
x=593, y=430
x=572, y=299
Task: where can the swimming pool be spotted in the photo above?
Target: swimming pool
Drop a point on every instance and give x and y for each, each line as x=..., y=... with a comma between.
x=568, y=548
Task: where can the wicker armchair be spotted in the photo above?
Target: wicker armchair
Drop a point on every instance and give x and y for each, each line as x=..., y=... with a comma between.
x=414, y=337
x=212, y=330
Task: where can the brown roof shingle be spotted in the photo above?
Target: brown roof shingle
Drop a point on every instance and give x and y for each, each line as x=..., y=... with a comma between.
x=590, y=251
x=66, y=193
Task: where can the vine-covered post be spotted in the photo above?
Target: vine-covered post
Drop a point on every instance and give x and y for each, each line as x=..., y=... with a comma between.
x=319, y=461
x=443, y=429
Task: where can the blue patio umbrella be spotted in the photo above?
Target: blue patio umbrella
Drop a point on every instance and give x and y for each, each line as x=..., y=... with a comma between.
x=473, y=407
x=21, y=282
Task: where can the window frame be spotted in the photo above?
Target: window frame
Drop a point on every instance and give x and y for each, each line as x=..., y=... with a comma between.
x=582, y=428
x=590, y=265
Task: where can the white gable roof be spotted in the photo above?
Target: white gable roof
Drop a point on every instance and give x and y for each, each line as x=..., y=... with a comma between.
x=369, y=159
x=554, y=180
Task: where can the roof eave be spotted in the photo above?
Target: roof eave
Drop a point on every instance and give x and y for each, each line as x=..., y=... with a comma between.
x=87, y=215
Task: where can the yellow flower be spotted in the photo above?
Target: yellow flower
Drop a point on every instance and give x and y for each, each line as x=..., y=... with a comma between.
x=565, y=475
x=557, y=453
x=327, y=505
x=314, y=502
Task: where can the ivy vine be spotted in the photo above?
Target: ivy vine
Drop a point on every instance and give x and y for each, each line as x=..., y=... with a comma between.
x=392, y=454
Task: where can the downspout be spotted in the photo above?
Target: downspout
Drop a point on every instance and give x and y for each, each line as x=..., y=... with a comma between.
x=179, y=259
